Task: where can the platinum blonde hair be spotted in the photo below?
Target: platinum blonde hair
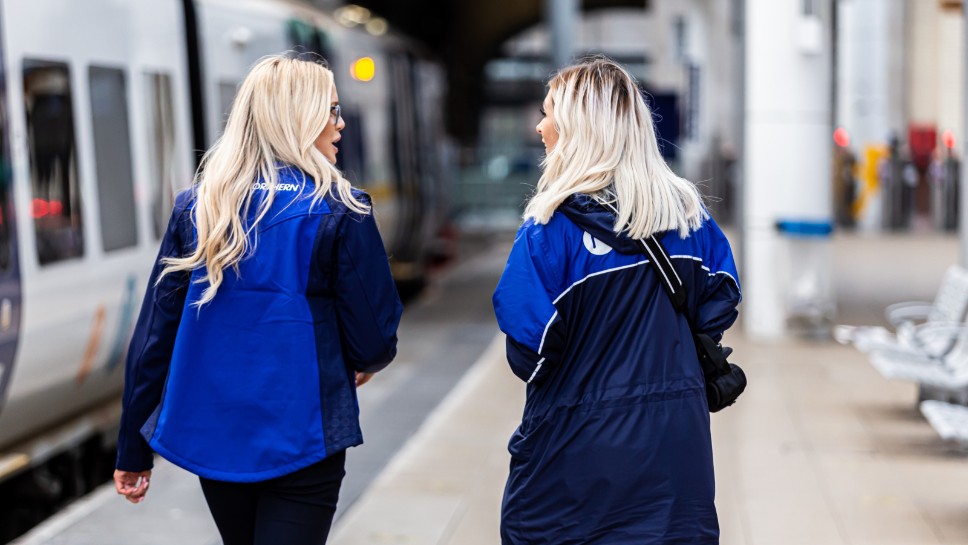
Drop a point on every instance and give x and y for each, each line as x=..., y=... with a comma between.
x=607, y=149
x=280, y=110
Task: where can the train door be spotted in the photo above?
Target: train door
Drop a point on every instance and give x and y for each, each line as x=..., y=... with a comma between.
x=234, y=37
x=360, y=64
x=407, y=248
x=439, y=237
x=10, y=287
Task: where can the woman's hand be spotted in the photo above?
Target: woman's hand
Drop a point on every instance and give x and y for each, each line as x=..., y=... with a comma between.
x=133, y=485
x=363, y=378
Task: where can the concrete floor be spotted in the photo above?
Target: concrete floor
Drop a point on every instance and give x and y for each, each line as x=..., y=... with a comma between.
x=821, y=450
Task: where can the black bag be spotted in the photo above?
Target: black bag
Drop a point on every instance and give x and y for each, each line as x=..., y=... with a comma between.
x=724, y=381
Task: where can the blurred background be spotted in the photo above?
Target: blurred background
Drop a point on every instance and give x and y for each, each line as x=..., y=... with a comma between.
x=827, y=135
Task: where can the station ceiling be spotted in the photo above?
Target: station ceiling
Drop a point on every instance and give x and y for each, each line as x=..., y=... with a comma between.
x=466, y=34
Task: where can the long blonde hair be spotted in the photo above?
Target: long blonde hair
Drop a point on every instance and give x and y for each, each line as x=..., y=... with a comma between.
x=280, y=109
x=607, y=149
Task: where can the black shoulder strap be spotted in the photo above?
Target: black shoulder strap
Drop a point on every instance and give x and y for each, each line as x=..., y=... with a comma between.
x=667, y=273
x=663, y=266
x=712, y=357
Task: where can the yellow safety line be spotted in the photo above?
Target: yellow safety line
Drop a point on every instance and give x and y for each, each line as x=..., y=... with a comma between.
x=12, y=463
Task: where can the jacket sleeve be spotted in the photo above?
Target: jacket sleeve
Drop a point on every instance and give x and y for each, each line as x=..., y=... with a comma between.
x=525, y=309
x=149, y=354
x=368, y=307
x=719, y=289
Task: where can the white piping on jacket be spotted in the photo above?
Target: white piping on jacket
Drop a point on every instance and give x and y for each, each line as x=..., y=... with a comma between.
x=555, y=302
x=536, y=369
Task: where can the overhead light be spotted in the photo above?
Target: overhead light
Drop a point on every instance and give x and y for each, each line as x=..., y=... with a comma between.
x=377, y=26
x=241, y=36
x=352, y=15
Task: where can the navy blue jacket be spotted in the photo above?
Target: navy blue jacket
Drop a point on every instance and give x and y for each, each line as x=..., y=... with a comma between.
x=614, y=445
x=259, y=382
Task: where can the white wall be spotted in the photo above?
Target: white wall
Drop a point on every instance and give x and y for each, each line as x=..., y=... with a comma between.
x=950, y=60
x=935, y=67
x=711, y=46
x=921, y=61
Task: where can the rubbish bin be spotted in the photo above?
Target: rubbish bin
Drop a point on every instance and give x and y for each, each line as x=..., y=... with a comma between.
x=806, y=276
x=944, y=194
x=898, y=182
x=844, y=186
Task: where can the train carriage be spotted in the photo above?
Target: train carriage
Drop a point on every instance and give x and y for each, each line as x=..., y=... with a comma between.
x=105, y=107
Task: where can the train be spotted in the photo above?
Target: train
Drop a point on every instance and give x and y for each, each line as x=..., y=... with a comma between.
x=105, y=109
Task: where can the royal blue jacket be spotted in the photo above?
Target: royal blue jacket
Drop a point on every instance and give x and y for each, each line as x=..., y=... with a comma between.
x=614, y=445
x=259, y=382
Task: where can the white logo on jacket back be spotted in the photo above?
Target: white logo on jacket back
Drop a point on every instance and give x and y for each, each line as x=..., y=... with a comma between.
x=594, y=245
x=279, y=186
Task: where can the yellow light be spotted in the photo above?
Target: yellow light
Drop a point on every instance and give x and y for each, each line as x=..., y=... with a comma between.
x=363, y=69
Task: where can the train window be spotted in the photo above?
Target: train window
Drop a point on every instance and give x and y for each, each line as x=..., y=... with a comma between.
x=226, y=96
x=112, y=153
x=55, y=186
x=161, y=152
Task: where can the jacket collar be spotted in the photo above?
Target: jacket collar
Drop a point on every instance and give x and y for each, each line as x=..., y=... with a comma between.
x=598, y=221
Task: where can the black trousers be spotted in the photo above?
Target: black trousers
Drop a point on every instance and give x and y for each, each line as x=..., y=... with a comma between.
x=295, y=509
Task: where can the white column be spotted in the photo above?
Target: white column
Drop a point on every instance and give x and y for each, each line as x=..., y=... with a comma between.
x=695, y=146
x=786, y=149
x=963, y=190
x=563, y=22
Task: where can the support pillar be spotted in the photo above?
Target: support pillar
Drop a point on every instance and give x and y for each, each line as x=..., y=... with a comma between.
x=963, y=190
x=563, y=24
x=787, y=129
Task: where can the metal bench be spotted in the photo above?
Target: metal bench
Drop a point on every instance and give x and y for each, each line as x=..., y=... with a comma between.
x=949, y=420
x=943, y=377
x=915, y=324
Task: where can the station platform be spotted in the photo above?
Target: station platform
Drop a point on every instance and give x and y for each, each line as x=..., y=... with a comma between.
x=820, y=450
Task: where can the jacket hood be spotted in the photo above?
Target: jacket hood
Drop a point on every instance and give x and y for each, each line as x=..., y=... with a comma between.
x=598, y=221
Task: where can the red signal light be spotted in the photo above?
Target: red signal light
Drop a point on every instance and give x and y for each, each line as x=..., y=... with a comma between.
x=948, y=138
x=841, y=137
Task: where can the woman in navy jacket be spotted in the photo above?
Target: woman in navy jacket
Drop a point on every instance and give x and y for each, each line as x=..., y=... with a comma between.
x=614, y=445
x=271, y=300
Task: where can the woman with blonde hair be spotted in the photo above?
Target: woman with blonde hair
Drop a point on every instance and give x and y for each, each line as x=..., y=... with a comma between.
x=614, y=445
x=270, y=302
